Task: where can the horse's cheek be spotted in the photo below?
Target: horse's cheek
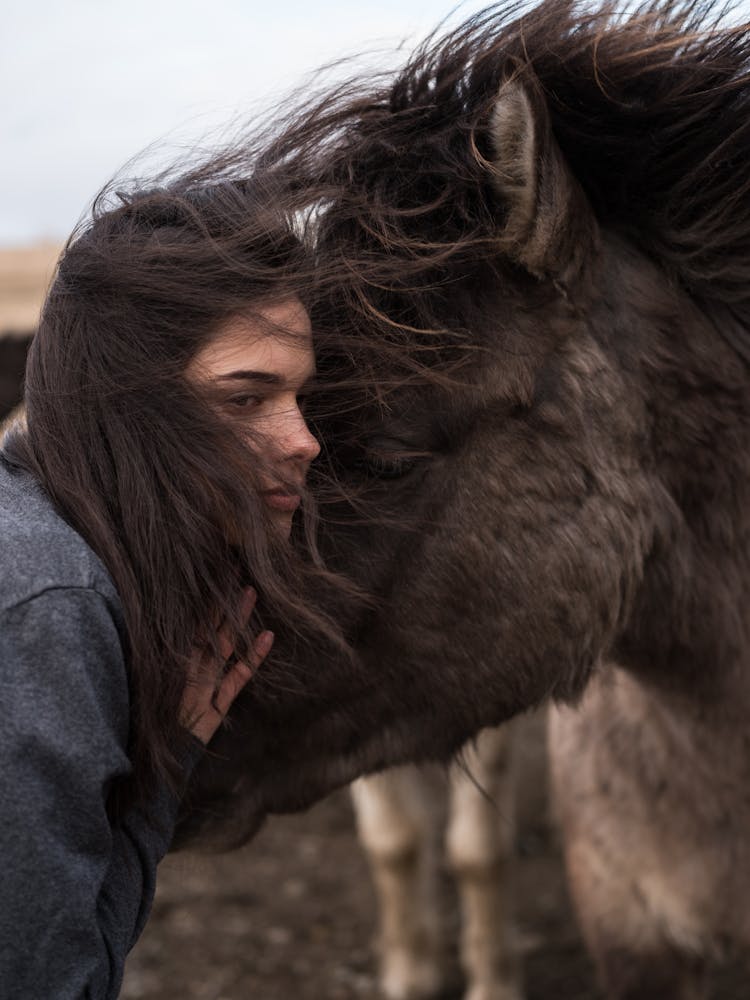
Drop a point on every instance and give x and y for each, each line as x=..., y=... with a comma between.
x=522, y=564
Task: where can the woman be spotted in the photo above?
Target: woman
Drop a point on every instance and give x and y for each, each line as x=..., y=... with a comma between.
x=157, y=479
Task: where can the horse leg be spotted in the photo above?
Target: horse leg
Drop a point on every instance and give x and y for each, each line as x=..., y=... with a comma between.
x=395, y=821
x=480, y=842
x=633, y=878
x=642, y=966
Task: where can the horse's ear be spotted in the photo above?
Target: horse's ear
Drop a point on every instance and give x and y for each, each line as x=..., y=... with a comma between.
x=549, y=227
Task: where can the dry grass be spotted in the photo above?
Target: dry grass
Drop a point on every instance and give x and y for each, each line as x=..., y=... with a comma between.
x=25, y=273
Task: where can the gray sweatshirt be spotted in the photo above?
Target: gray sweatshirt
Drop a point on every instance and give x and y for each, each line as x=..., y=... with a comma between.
x=75, y=889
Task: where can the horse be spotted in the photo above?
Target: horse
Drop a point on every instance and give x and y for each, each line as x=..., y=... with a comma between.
x=14, y=347
x=534, y=321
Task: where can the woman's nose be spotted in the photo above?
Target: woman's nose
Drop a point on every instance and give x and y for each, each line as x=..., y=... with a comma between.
x=299, y=443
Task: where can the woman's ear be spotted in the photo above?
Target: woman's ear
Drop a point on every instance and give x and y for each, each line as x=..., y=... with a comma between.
x=549, y=226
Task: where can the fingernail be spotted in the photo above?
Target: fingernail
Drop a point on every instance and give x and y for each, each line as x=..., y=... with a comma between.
x=264, y=642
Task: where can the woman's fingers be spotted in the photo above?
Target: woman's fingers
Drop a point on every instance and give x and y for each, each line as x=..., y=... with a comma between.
x=262, y=646
x=224, y=637
x=239, y=673
x=213, y=685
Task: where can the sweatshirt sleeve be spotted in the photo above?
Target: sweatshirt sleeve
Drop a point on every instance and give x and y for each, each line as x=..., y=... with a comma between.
x=76, y=889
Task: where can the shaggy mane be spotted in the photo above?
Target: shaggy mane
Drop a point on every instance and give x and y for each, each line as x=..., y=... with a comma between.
x=652, y=112
x=651, y=107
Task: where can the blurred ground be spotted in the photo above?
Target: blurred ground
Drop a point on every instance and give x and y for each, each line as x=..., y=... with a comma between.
x=293, y=914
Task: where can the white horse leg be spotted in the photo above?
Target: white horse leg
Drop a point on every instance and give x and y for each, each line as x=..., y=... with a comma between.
x=395, y=823
x=480, y=847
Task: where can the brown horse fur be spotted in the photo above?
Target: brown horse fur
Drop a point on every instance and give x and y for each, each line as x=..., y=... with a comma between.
x=535, y=260
x=13, y=350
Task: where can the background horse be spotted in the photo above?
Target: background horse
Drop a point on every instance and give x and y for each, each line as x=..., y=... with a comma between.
x=13, y=350
x=401, y=816
x=533, y=305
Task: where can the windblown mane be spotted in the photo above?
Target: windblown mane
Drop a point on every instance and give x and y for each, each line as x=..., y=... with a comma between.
x=652, y=113
x=651, y=108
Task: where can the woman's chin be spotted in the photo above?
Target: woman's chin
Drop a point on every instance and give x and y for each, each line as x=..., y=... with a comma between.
x=282, y=521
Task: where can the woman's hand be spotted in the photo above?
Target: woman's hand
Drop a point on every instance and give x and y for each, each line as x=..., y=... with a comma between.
x=212, y=686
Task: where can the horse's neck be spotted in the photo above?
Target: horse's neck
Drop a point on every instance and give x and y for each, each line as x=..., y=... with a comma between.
x=691, y=628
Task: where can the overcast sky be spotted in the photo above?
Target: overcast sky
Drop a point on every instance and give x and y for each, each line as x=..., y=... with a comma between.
x=87, y=84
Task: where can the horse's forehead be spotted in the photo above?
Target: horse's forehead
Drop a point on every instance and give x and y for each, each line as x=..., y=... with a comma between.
x=494, y=375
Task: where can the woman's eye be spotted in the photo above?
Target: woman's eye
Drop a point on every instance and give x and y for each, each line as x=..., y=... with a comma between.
x=245, y=401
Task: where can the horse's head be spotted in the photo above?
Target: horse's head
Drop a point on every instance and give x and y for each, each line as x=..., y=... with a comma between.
x=507, y=448
x=501, y=499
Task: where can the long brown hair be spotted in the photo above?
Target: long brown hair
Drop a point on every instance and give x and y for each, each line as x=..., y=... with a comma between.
x=138, y=461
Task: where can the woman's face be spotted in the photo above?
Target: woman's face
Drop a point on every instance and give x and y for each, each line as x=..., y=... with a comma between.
x=260, y=376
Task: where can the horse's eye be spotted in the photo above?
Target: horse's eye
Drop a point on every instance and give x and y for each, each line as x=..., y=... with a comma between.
x=389, y=467
x=390, y=459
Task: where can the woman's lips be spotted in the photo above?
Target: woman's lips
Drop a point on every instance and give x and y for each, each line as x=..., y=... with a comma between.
x=282, y=500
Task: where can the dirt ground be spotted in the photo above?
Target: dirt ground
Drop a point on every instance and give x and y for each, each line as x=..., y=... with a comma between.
x=293, y=914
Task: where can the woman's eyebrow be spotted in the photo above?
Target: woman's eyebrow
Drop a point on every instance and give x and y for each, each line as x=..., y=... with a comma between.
x=265, y=378
x=247, y=375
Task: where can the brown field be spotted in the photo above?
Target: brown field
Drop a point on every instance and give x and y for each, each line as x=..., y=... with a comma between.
x=25, y=273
